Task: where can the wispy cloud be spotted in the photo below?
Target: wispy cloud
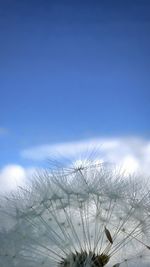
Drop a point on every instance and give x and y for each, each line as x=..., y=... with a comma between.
x=132, y=153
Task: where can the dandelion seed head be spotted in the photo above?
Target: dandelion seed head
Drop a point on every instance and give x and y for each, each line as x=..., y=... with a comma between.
x=88, y=216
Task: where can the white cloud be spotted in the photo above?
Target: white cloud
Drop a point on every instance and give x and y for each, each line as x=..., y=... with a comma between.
x=128, y=154
x=70, y=149
x=132, y=154
x=12, y=176
x=129, y=164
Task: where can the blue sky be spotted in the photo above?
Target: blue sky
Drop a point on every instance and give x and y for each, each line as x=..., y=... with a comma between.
x=72, y=70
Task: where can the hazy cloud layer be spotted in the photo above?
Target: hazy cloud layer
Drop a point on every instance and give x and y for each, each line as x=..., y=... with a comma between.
x=129, y=153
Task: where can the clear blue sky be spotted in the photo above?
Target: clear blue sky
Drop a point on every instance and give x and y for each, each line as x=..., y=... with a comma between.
x=71, y=70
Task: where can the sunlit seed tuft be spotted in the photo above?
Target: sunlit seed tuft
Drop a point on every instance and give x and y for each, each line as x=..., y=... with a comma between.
x=88, y=216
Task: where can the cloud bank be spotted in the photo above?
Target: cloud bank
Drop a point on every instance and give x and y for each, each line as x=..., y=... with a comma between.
x=131, y=154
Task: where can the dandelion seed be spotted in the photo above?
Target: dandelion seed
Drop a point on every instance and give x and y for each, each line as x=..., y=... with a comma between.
x=88, y=217
x=108, y=235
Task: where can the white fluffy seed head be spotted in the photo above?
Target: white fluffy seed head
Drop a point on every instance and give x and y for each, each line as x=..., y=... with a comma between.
x=88, y=216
